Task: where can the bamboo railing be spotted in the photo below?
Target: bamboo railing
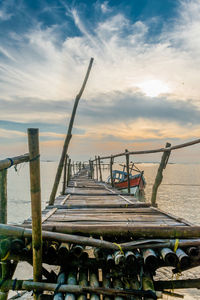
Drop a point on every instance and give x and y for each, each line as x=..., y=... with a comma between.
x=97, y=161
x=33, y=157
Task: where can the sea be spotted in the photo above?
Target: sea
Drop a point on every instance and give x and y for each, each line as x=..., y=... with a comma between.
x=179, y=194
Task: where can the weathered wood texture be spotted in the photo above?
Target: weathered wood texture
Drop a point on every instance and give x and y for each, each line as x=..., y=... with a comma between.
x=95, y=208
x=3, y=196
x=159, y=175
x=33, y=143
x=68, y=136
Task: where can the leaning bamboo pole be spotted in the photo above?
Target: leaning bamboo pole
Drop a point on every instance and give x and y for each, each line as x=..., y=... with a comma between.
x=68, y=137
x=33, y=143
x=159, y=176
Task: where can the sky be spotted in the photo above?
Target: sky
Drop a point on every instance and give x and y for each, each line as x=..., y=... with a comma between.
x=143, y=90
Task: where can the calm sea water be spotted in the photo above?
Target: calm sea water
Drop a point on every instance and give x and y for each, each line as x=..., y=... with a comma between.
x=179, y=192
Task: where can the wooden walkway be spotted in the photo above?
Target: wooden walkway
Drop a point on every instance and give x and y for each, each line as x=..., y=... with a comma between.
x=90, y=207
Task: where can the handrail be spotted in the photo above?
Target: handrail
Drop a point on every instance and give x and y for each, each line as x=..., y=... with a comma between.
x=9, y=162
x=152, y=151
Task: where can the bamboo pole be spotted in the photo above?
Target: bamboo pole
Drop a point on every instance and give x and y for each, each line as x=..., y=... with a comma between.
x=159, y=175
x=68, y=137
x=68, y=171
x=111, y=171
x=9, y=162
x=65, y=175
x=96, y=168
x=100, y=173
x=154, y=150
x=3, y=196
x=76, y=289
x=33, y=142
x=127, y=169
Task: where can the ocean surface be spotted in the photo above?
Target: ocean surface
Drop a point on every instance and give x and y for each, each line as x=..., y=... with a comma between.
x=178, y=194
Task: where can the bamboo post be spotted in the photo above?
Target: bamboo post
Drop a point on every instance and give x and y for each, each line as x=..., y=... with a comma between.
x=96, y=168
x=33, y=143
x=159, y=176
x=92, y=169
x=111, y=171
x=68, y=137
x=68, y=171
x=3, y=196
x=127, y=169
x=65, y=175
x=99, y=163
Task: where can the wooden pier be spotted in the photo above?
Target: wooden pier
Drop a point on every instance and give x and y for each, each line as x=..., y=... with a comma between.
x=97, y=242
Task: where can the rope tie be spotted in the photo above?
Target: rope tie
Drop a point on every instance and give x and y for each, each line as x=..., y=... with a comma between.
x=57, y=288
x=11, y=163
x=120, y=248
x=176, y=245
x=35, y=158
x=14, y=284
x=6, y=256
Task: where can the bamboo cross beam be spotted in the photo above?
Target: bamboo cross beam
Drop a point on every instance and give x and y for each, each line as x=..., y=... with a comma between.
x=68, y=136
x=33, y=143
x=176, y=147
x=9, y=162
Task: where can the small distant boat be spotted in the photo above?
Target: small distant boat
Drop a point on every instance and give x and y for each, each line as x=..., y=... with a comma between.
x=137, y=181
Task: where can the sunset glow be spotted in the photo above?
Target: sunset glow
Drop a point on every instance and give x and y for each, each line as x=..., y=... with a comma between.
x=153, y=88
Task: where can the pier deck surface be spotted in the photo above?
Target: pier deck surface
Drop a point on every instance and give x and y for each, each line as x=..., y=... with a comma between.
x=95, y=206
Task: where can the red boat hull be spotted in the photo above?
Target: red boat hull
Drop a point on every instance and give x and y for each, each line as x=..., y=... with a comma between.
x=133, y=182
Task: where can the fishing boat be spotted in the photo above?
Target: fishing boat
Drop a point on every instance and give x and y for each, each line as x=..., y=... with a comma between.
x=137, y=181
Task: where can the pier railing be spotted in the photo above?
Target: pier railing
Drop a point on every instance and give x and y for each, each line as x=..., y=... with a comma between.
x=33, y=157
x=95, y=164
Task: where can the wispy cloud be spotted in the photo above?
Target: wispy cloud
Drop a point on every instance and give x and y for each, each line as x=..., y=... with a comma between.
x=42, y=67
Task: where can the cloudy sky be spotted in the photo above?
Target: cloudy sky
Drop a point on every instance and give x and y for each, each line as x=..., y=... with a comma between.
x=144, y=86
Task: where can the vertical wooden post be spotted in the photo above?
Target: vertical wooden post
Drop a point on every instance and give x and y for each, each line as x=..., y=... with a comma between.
x=68, y=171
x=90, y=168
x=159, y=176
x=65, y=175
x=33, y=143
x=92, y=164
x=5, y=266
x=3, y=196
x=111, y=171
x=99, y=163
x=96, y=168
x=127, y=169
